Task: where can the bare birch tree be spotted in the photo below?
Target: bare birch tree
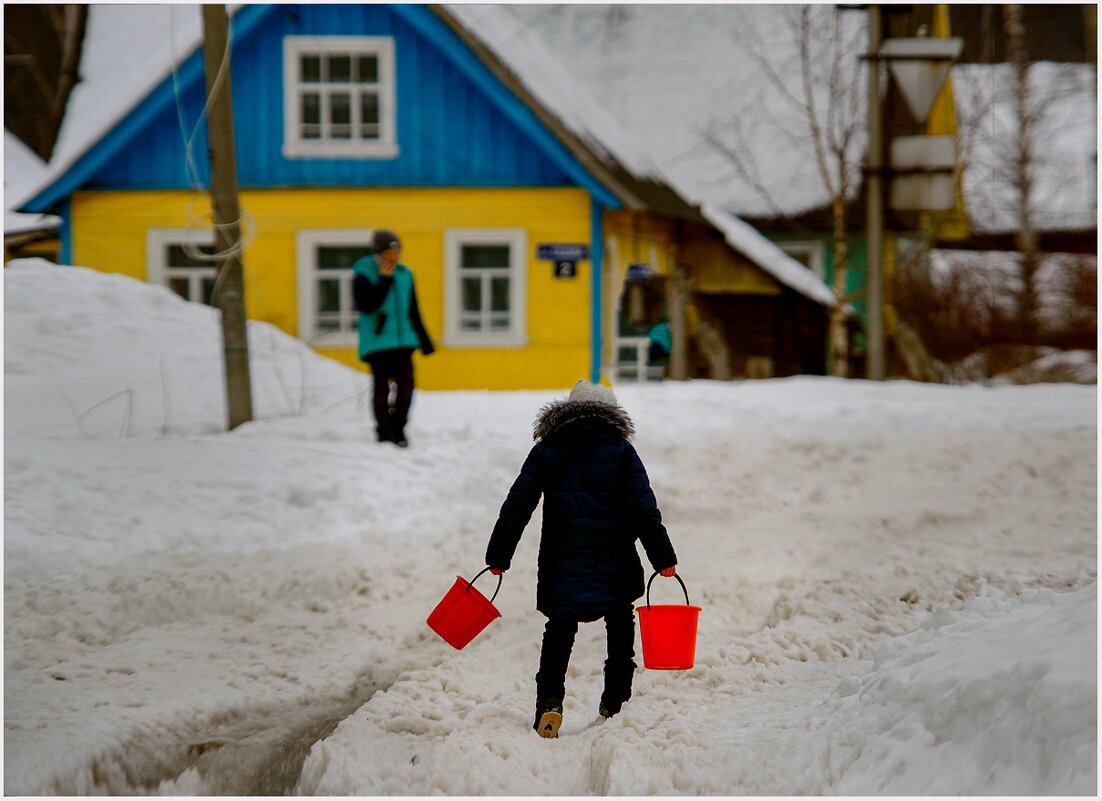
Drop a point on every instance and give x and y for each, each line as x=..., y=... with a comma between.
x=1026, y=133
x=1027, y=239
x=808, y=91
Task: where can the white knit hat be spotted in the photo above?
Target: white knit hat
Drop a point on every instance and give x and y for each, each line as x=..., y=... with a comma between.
x=585, y=391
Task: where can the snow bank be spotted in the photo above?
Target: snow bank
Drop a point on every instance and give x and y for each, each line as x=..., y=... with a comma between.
x=108, y=355
x=993, y=700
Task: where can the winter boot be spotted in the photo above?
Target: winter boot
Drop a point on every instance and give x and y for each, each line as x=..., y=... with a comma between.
x=617, y=688
x=548, y=717
x=384, y=431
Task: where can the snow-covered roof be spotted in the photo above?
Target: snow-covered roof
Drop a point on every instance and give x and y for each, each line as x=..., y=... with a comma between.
x=128, y=50
x=1064, y=143
x=18, y=223
x=560, y=93
x=748, y=241
x=676, y=71
x=22, y=168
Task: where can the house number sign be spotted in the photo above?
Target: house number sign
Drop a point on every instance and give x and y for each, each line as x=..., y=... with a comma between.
x=565, y=257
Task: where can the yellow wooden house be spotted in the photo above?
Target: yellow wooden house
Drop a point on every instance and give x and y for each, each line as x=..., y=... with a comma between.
x=522, y=211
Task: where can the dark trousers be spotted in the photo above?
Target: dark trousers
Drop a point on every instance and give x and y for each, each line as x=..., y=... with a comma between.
x=558, y=641
x=391, y=413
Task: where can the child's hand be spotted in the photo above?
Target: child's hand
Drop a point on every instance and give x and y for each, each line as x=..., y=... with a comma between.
x=668, y=572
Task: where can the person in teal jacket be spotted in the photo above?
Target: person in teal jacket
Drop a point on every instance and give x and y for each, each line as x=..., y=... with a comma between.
x=661, y=343
x=390, y=329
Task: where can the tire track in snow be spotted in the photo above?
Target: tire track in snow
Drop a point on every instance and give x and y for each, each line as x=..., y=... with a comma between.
x=250, y=751
x=268, y=761
x=240, y=752
x=598, y=768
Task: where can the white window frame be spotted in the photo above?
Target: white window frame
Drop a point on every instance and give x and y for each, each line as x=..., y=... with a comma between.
x=641, y=369
x=157, y=271
x=516, y=335
x=306, y=271
x=812, y=248
x=294, y=146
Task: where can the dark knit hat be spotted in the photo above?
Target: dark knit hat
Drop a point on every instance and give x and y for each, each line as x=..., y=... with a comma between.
x=384, y=240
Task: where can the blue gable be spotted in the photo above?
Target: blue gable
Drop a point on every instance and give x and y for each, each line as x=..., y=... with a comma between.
x=457, y=124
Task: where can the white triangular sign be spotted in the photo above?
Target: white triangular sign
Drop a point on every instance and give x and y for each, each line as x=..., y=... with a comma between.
x=920, y=66
x=919, y=82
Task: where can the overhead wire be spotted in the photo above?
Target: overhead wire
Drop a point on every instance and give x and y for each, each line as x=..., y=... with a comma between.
x=196, y=220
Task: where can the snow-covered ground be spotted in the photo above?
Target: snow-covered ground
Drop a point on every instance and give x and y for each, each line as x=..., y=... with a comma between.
x=897, y=580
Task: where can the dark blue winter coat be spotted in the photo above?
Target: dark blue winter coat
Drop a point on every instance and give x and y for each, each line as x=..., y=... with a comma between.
x=597, y=502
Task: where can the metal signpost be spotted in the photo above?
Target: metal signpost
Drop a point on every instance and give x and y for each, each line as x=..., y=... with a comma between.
x=921, y=167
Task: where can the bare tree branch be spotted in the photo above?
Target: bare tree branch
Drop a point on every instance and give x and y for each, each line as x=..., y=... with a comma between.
x=752, y=44
x=746, y=171
x=809, y=100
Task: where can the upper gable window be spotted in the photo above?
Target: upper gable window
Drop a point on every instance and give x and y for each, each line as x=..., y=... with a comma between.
x=809, y=254
x=338, y=97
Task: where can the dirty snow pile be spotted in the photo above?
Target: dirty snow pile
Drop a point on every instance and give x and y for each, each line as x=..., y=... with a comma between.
x=897, y=580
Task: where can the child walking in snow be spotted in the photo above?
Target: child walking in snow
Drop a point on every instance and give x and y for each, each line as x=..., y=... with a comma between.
x=597, y=502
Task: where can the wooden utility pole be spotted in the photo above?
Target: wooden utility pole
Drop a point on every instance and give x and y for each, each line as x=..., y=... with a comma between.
x=875, y=365
x=230, y=287
x=675, y=310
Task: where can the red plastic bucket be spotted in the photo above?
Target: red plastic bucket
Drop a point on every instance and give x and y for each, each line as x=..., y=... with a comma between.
x=463, y=612
x=668, y=632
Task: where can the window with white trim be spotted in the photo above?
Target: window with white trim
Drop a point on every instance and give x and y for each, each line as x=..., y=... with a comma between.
x=180, y=258
x=327, y=313
x=486, y=287
x=338, y=97
x=808, y=253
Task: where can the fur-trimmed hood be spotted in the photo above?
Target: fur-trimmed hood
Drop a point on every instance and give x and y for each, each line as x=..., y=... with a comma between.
x=559, y=413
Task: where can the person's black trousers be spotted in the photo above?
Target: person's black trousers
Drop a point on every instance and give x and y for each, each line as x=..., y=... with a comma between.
x=391, y=415
x=558, y=641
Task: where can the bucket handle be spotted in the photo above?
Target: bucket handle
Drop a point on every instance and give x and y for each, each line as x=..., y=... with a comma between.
x=679, y=581
x=480, y=572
